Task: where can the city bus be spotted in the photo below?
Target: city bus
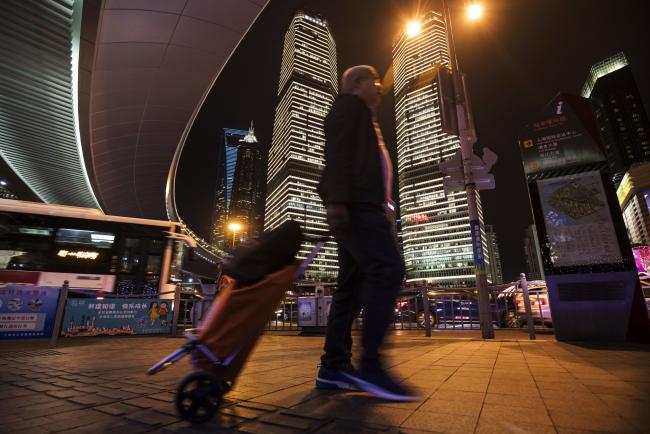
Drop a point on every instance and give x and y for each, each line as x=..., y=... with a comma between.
x=46, y=245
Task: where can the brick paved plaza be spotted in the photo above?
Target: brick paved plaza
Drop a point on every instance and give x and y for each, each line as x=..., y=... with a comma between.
x=467, y=385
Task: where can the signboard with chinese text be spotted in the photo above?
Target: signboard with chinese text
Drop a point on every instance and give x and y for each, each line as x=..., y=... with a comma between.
x=578, y=222
x=559, y=138
x=477, y=245
x=116, y=316
x=27, y=311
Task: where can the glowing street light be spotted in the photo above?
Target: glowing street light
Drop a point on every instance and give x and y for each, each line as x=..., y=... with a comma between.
x=413, y=28
x=474, y=11
x=234, y=227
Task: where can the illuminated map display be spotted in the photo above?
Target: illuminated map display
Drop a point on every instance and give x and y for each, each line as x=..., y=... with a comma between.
x=577, y=219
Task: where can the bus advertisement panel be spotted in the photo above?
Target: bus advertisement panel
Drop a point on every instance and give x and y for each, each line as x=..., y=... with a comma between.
x=27, y=311
x=116, y=316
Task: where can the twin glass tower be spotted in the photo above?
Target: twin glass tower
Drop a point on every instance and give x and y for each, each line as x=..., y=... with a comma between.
x=308, y=86
x=436, y=235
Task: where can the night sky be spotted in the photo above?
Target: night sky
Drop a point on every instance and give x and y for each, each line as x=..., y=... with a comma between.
x=517, y=58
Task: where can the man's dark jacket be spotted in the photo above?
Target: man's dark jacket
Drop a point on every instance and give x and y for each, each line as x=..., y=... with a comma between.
x=353, y=172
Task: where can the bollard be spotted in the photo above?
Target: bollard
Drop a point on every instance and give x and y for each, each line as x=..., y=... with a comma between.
x=426, y=309
x=529, y=312
x=58, y=318
x=177, y=308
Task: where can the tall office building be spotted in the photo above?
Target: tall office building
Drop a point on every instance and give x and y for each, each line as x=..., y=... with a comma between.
x=435, y=227
x=634, y=199
x=307, y=88
x=534, y=269
x=240, y=189
x=621, y=117
x=5, y=193
x=495, y=272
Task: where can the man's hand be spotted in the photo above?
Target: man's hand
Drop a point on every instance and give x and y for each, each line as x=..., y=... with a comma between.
x=337, y=217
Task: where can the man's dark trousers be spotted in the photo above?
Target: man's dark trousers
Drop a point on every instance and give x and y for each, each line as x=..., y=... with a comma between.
x=370, y=275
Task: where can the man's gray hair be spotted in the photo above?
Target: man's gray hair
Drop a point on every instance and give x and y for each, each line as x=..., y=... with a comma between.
x=353, y=76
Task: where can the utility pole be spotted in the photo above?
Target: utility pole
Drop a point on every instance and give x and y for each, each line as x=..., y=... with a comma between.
x=467, y=136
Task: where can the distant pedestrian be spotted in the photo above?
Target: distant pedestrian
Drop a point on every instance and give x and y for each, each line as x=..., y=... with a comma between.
x=356, y=190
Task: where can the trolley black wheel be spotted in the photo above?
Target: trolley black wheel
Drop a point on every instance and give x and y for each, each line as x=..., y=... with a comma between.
x=199, y=396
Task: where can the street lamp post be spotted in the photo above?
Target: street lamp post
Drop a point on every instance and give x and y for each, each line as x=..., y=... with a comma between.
x=467, y=136
x=234, y=227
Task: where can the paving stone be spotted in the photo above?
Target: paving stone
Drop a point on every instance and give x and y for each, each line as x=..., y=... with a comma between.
x=68, y=423
x=219, y=424
x=358, y=427
x=165, y=396
x=15, y=393
x=290, y=421
x=88, y=389
x=31, y=430
x=65, y=393
x=140, y=390
x=505, y=426
x=65, y=383
x=86, y=380
x=257, y=406
x=116, y=409
x=440, y=422
x=591, y=422
x=116, y=394
x=49, y=409
x=241, y=412
x=151, y=418
x=42, y=387
x=90, y=400
x=143, y=402
x=70, y=377
x=533, y=416
x=26, y=422
x=580, y=388
x=263, y=428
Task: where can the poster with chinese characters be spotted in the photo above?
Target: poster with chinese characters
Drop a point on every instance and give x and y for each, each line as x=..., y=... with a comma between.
x=116, y=316
x=560, y=136
x=27, y=311
x=577, y=220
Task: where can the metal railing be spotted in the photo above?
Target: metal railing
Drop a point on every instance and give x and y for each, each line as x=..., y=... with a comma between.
x=448, y=309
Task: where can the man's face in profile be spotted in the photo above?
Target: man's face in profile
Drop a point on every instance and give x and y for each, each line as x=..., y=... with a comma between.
x=370, y=89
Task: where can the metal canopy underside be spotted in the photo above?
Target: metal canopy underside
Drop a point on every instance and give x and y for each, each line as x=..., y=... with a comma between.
x=39, y=135
x=155, y=61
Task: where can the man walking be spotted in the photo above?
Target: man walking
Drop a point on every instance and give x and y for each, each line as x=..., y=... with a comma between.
x=356, y=190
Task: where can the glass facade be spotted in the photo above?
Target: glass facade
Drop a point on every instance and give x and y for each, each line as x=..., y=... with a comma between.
x=240, y=189
x=495, y=270
x=620, y=114
x=307, y=88
x=436, y=235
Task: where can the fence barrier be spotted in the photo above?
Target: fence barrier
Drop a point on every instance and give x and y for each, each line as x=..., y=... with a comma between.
x=447, y=309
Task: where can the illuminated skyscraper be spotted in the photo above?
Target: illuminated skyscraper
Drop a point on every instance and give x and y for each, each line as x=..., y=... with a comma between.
x=307, y=88
x=622, y=119
x=495, y=271
x=435, y=227
x=534, y=268
x=240, y=188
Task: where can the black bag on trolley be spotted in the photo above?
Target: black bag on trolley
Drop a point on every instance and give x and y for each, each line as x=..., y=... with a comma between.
x=274, y=250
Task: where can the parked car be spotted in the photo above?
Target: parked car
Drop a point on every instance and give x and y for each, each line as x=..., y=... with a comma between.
x=539, y=303
x=287, y=311
x=446, y=306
